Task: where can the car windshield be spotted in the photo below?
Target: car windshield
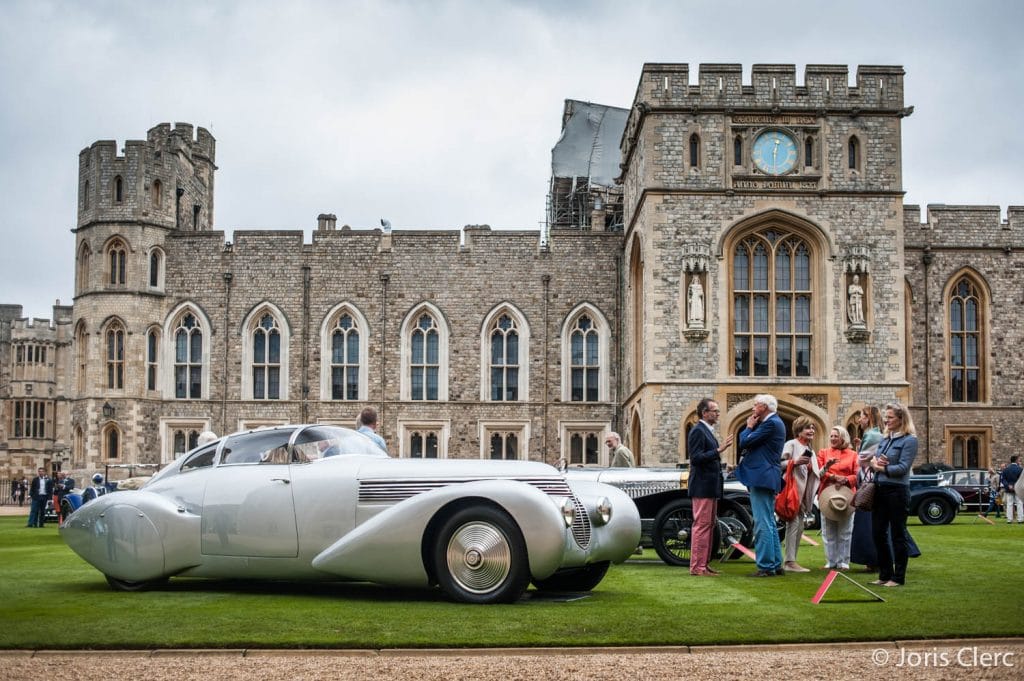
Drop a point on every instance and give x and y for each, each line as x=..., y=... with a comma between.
x=321, y=442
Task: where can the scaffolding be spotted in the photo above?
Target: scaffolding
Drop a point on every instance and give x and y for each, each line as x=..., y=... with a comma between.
x=583, y=193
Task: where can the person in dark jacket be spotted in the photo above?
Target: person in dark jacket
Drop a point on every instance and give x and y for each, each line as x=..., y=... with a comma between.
x=40, y=491
x=705, y=483
x=1007, y=480
x=760, y=469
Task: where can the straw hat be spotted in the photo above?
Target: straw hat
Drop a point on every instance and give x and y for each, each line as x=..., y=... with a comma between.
x=836, y=503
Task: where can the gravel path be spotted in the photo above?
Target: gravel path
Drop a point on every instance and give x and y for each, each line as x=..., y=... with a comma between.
x=975, y=659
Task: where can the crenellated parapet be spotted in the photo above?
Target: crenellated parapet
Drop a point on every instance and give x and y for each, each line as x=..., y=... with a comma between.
x=720, y=86
x=963, y=227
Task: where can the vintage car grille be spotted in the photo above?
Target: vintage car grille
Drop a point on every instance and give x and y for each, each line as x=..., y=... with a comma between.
x=393, y=490
x=581, y=524
x=636, y=490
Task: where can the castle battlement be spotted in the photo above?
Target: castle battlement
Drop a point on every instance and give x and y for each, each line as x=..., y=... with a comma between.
x=878, y=88
x=964, y=226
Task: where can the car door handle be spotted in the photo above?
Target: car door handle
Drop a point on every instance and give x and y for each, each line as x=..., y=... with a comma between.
x=284, y=480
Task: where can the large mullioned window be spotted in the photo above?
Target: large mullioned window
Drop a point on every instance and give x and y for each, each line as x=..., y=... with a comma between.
x=965, y=342
x=266, y=359
x=115, y=356
x=585, y=358
x=504, y=359
x=188, y=358
x=345, y=359
x=424, y=359
x=772, y=302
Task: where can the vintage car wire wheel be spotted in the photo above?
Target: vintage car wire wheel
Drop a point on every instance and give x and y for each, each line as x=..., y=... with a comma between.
x=935, y=511
x=673, y=528
x=480, y=557
x=574, y=579
x=735, y=516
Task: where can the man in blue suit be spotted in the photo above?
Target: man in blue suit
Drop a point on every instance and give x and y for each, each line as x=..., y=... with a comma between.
x=760, y=470
x=704, y=484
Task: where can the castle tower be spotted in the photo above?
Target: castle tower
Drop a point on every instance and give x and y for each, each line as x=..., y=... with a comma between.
x=128, y=206
x=763, y=246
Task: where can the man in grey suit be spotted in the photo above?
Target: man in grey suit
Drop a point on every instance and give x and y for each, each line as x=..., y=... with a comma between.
x=705, y=484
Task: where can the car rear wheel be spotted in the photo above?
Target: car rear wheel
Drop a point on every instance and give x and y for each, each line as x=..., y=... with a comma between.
x=480, y=557
x=672, y=531
x=574, y=579
x=935, y=511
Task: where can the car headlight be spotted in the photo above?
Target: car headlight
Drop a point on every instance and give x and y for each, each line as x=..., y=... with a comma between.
x=604, y=511
x=568, y=511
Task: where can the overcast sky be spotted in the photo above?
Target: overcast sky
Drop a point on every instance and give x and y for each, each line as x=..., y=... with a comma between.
x=442, y=114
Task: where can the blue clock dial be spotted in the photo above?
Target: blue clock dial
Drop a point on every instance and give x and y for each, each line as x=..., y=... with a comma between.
x=774, y=152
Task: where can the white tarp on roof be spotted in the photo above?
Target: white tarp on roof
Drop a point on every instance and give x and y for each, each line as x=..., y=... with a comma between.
x=589, y=145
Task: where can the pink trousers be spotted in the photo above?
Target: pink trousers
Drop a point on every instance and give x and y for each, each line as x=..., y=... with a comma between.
x=705, y=513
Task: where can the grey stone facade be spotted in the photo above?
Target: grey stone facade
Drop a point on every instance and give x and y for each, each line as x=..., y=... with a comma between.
x=687, y=207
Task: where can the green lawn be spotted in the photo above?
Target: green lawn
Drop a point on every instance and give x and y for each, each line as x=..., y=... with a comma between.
x=964, y=585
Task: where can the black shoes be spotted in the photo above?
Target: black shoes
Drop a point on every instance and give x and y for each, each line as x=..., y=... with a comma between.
x=769, y=573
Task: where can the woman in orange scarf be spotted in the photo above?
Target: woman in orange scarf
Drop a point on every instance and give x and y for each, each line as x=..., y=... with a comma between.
x=839, y=465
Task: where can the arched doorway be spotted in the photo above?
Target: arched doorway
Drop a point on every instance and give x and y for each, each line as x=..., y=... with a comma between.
x=788, y=413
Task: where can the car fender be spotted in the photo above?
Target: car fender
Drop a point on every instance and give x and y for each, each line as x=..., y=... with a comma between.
x=387, y=548
x=622, y=530
x=134, y=535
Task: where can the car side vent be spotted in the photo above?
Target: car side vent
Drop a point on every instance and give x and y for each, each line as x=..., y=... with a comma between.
x=391, y=490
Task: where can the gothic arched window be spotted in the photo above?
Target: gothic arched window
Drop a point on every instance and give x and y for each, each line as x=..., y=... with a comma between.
x=117, y=256
x=694, y=150
x=772, y=304
x=504, y=339
x=853, y=153
x=118, y=189
x=585, y=371
x=266, y=359
x=112, y=442
x=966, y=336
x=188, y=358
x=152, y=350
x=115, y=356
x=424, y=359
x=345, y=359
x=155, y=267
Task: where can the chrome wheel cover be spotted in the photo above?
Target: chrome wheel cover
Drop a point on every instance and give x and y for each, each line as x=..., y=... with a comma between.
x=478, y=557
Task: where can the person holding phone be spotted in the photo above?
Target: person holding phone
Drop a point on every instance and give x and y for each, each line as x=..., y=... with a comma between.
x=892, y=465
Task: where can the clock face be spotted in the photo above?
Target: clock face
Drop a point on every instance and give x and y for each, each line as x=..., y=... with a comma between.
x=774, y=152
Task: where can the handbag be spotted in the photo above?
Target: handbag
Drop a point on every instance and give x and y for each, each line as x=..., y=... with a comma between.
x=787, y=503
x=864, y=499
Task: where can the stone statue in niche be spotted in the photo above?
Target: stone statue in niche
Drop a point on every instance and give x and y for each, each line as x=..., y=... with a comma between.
x=855, y=296
x=695, y=304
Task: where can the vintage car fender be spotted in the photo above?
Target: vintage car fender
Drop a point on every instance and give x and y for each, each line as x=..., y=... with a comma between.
x=622, y=531
x=134, y=535
x=380, y=549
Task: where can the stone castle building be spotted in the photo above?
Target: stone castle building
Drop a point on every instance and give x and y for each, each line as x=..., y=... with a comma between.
x=716, y=239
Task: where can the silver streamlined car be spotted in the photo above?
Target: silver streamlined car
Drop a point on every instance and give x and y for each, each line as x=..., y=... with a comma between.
x=322, y=502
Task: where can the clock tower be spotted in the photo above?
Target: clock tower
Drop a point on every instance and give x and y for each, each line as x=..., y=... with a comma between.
x=763, y=246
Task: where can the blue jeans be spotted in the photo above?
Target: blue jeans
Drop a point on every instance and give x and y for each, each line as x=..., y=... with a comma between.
x=766, y=536
x=37, y=513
